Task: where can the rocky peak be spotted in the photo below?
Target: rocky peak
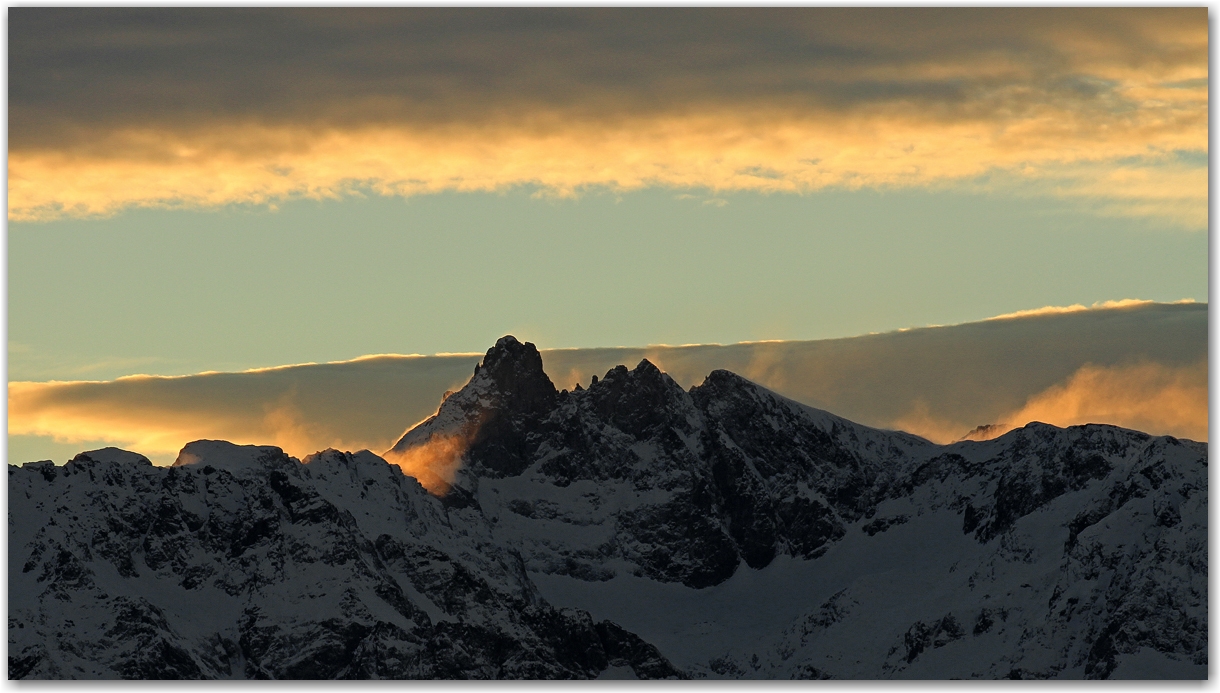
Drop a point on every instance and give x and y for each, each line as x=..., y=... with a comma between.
x=642, y=401
x=722, y=382
x=509, y=380
x=222, y=454
x=848, y=551
x=728, y=396
x=489, y=420
x=514, y=370
x=645, y=376
x=110, y=455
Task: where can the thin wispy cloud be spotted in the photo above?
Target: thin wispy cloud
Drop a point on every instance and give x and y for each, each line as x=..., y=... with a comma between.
x=1078, y=307
x=114, y=108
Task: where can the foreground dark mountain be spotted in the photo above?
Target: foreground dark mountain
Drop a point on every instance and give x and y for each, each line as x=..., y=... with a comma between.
x=628, y=529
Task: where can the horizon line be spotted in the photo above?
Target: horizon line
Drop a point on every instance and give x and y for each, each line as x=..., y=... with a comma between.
x=1044, y=311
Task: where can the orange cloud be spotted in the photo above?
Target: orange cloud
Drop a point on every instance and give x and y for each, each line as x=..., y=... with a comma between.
x=922, y=422
x=1149, y=397
x=59, y=410
x=351, y=405
x=771, y=150
x=1095, y=105
x=1058, y=365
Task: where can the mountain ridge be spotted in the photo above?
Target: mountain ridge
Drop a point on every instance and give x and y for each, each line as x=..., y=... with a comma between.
x=559, y=513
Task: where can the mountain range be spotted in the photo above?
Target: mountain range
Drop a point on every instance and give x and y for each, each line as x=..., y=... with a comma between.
x=628, y=529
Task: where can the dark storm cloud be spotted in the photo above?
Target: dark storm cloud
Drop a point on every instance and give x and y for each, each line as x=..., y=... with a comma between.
x=76, y=68
x=112, y=108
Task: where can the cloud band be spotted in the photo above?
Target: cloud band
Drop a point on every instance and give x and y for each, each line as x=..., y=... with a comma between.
x=114, y=108
x=1141, y=365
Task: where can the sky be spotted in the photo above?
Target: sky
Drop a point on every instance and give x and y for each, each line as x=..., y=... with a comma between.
x=218, y=189
x=1138, y=365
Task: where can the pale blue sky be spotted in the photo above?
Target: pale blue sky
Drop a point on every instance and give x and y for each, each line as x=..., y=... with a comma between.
x=196, y=189
x=175, y=292
x=185, y=184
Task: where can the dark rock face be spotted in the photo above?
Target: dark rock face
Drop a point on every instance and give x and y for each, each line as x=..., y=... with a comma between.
x=523, y=394
x=922, y=636
x=738, y=474
x=692, y=486
x=1073, y=550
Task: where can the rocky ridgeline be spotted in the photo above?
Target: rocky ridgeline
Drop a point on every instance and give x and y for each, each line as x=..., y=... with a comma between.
x=1047, y=552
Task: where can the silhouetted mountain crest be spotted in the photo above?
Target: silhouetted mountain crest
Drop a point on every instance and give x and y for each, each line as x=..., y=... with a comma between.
x=640, y=402
x=110, y=454
x=582, y=532
x=515, y=372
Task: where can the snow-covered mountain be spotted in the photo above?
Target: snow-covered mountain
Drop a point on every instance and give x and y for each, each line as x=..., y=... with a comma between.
x=630, y=529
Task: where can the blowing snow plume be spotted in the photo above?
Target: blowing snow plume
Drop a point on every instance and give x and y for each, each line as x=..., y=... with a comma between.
x=937, y=382
x=434, y=463
x=1144, y=396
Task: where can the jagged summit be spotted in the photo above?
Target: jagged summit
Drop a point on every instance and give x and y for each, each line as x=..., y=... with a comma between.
x=510, y=376
x=645, y=381
x=646, y=366
x=485, y=422
x=630, y=528
x=985, y=432
x=515, y=368
x=501, y=418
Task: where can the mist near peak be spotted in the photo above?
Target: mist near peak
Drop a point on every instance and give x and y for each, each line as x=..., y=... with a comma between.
x=1120, y=365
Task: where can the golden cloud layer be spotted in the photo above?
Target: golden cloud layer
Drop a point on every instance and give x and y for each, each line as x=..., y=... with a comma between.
x=728, y=151
x=1146, y=396
x=1143, y=396
x=352, y=405
x=67, y=413
x=1092, y=105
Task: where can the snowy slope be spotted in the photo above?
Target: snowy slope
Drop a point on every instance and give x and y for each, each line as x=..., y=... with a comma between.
x=1105, y=581
x=627, y=528
x=246, y=563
